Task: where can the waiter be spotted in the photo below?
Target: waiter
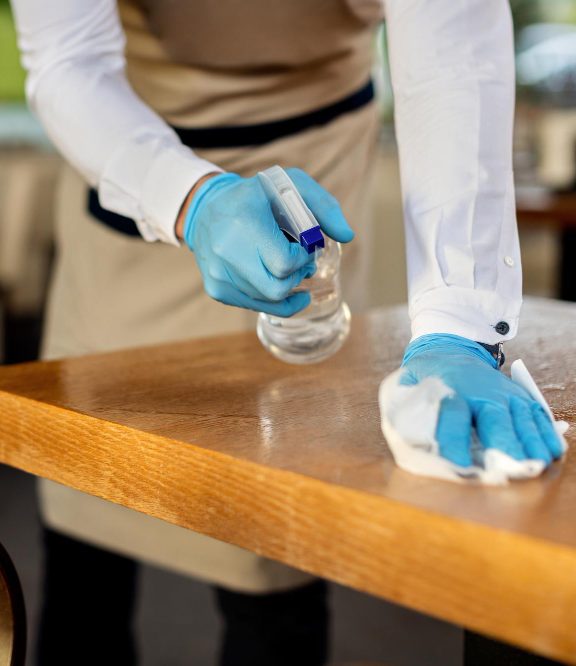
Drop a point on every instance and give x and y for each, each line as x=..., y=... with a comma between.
x=165, y=111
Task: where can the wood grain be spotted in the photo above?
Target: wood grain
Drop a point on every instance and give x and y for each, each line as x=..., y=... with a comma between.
x=289, y=462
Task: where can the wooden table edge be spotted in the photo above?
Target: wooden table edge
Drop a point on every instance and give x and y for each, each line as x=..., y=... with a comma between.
x=211, y=492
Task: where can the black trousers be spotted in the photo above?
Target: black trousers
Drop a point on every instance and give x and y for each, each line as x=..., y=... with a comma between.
x=88, y=608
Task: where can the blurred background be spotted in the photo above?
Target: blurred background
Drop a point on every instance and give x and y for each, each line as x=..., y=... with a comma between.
x=545, y=166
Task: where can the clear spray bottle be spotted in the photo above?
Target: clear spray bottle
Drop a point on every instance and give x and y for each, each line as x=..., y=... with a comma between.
x=322, y=328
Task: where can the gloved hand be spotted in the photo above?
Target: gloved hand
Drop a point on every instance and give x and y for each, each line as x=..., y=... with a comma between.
x=503, y=413
x=244, y=257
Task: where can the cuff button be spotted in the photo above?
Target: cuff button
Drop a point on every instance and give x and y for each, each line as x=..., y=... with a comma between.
x=502, y=327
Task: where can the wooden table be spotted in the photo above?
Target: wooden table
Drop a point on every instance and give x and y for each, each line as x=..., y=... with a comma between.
x=217, y=436
x=538, y=204
x=539, y=207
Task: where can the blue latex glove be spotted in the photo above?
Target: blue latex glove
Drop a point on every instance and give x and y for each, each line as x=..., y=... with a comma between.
x=503, y=413
x=244, y=257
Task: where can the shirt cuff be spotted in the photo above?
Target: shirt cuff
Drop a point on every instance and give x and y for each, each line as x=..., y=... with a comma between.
x=157, y=173
x=483, y=316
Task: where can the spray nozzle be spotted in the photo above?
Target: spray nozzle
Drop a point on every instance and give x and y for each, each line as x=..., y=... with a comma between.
x=290, y=212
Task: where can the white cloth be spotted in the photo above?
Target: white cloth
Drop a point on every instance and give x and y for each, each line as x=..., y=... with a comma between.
x=409, y=415
x=453, y=77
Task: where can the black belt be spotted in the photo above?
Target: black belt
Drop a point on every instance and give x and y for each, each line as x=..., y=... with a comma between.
x=240, y=136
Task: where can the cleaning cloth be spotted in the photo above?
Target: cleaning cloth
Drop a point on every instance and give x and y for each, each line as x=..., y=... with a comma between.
x=409, y=415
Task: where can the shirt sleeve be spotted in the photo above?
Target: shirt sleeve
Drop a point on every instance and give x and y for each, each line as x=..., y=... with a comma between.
x=73, y=51
x=452, y=69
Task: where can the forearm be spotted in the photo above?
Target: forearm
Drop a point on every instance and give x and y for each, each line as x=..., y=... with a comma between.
x=73, y=52
x=453, y=77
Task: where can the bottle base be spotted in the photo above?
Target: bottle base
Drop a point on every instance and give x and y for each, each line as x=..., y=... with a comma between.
x=302, y=340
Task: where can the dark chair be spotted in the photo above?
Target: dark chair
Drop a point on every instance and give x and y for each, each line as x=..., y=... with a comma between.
x=12, y=614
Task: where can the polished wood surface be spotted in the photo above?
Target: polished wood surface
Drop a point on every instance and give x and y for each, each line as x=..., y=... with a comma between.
x=217, y=436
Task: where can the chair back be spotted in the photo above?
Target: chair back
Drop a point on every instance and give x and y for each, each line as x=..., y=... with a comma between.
x=12, y=614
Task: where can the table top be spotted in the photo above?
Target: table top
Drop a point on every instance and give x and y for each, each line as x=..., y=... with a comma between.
x=289, y=461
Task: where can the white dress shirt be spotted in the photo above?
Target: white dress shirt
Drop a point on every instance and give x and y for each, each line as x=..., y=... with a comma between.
x=453, y=79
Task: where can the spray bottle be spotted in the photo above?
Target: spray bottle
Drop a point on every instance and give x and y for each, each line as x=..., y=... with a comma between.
x=320, y=329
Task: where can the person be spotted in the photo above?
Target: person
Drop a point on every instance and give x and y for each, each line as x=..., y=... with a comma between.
x=166, y=111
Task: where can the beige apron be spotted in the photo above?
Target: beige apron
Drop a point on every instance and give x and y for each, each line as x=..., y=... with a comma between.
x=112, y=291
